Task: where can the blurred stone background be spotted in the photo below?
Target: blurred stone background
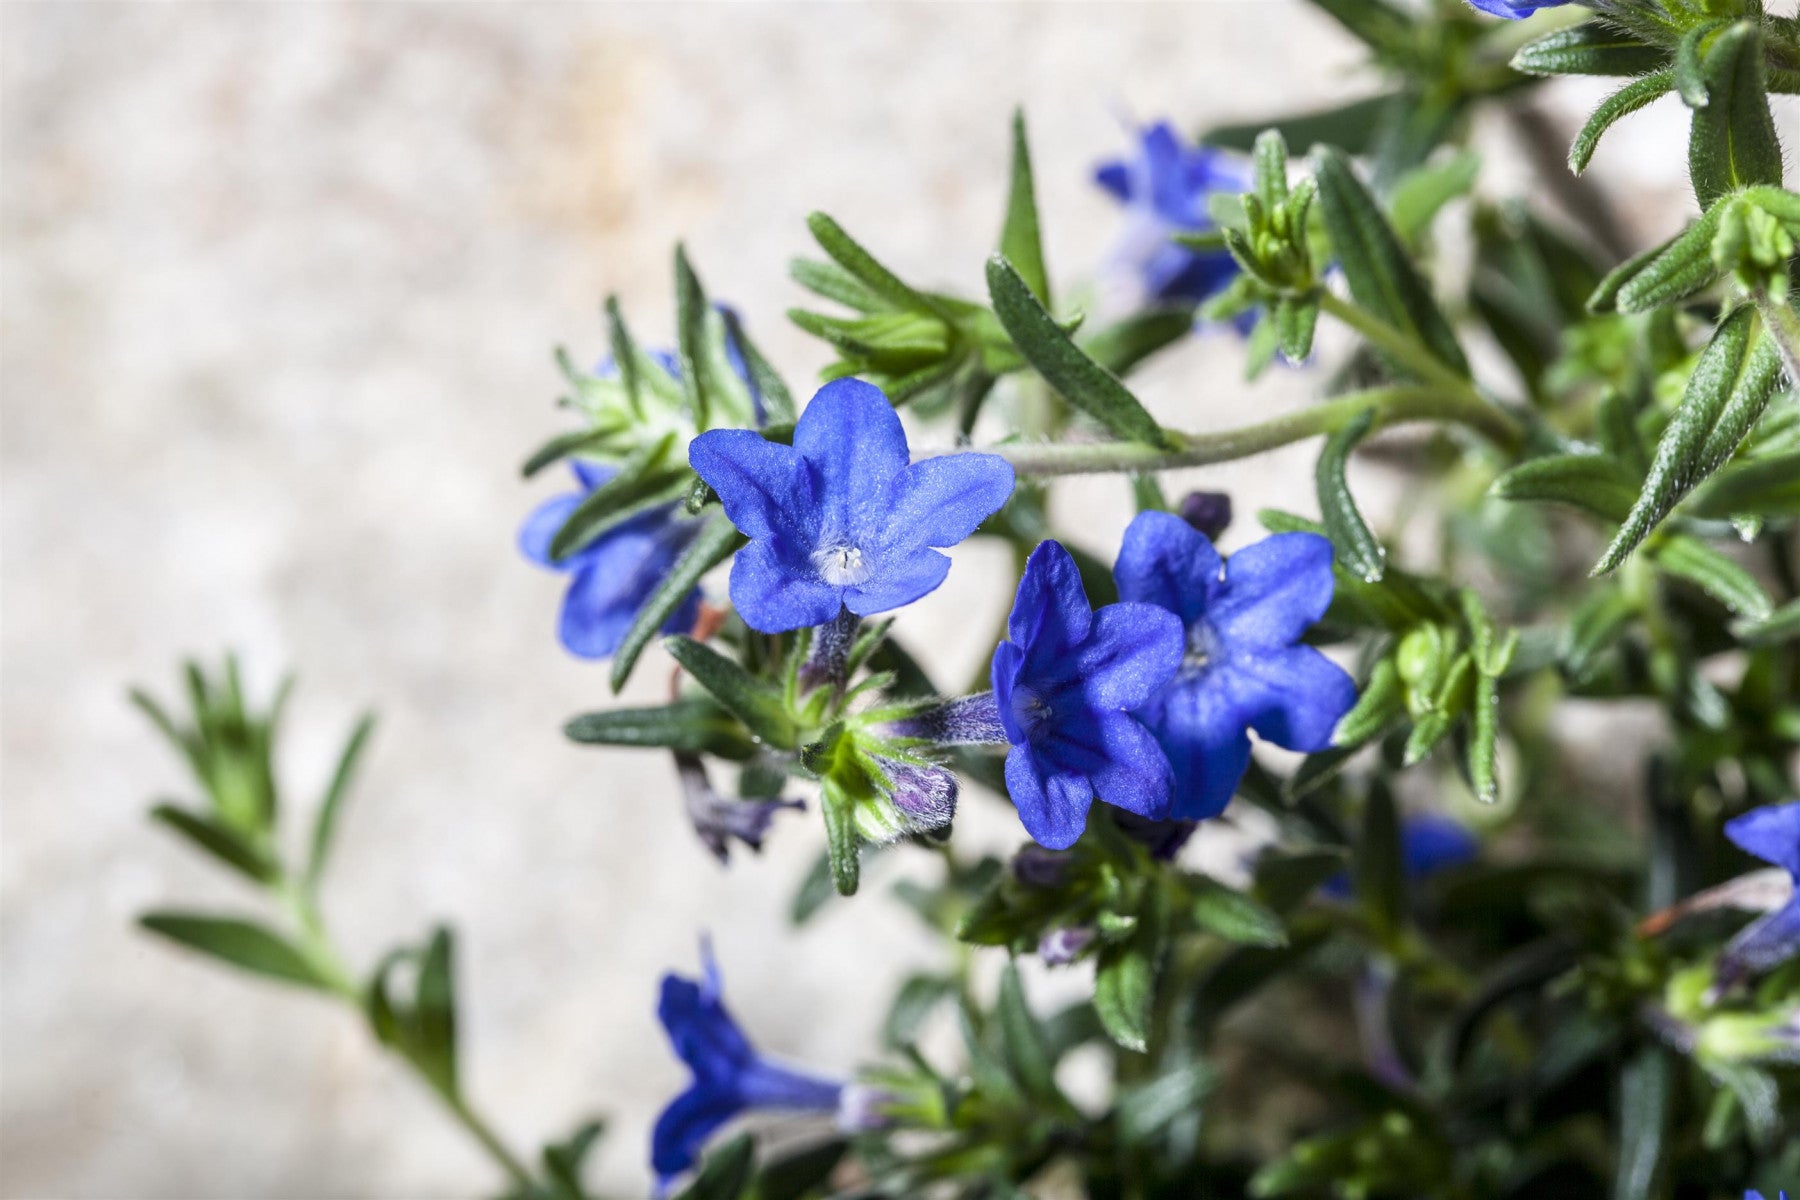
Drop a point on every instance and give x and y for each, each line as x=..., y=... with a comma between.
x=278, y=288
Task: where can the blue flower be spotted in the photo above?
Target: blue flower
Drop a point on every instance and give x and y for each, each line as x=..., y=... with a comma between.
x=1753, y=1195
x=1065, y=684
x=1516, y=10
x=1164, y=188
x=1244, y=668
x=1429, y=843
x=1772, y=834
x=839, y=519
x=611, y=577
x=730, y=1077
x=716, y=819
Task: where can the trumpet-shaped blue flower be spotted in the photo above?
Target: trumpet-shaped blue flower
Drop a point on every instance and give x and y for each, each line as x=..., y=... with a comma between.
x=1516, y=10
x=1772, y=834
x=1164, y=187
x=1759, y=1196
x=1244, y=668
x=611, y=577
x=730, y=1077
x=1065, y=684
x=839, y=519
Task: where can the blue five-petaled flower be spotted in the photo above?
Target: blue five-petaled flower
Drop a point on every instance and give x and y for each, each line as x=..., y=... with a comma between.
x=840, y=519
x=611, y=578
x=1771, y=833
x=1164, y=188
x=1244, y=668
x=1515, y=10
x=1065, y=684
x=730, y=1077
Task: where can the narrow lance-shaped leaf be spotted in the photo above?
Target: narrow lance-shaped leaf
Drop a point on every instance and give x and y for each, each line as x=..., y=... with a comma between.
x=842, y=844
x=777, y=400
x=693, y=726
x=624, y=355
x=1590, y=48
x=1081, y=381
x=1233, y=915
x=435, y=1012
x=1382, y=278
x=1021, y=243
x=243, y=944
x=848, y=253
x=1124, y=987
x=1600, y=483
x=218, y=840
x=1379, y=865
x=1023, y=1039
x=717, y=540
x=1718, y=576
x=642, y=480
x=1363, y=552
x=690, y=337
x=1621, y=104
x=1732, y=142
x=325, y=823
x=753, y=701
x=1736, y=376
x=726, y=1172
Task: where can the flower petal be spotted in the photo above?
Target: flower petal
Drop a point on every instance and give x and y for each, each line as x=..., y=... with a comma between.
x=852, y=438
x=598, y=608
x=940, y=501
x=1275, y=590
x=766, y=487
x=1050, y=614
x=542, y=525
x=1115, y=178
x=1199, y=724
x=682, y=1129
x=1167, y=562
x=897, y=580
x=700, y=1029
x=1004, y=674
x=774, y=593
x=1053, y=810
x=1766, y=942
x=766, y=1084
x=1293, y=697
x=1132, y=652
x=1132, y=772
x=1771, y=833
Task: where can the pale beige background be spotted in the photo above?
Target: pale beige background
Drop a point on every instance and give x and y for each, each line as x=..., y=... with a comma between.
x=279, y=287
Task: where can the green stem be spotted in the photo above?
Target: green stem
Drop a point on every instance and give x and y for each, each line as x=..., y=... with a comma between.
x=316, y=944
x=1392, y=405
x=1784, y=327
x=1398, y=346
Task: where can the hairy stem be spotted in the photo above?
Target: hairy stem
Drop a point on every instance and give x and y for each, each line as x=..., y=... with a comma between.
x=1392, y=405
x=482, y=1132
x=1398, y=346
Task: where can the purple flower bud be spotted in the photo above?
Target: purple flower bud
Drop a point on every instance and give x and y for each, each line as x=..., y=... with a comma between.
x=1060, y=947
x=966, y=721
x=923, y=795
x=1209, y=512
x=718, y=819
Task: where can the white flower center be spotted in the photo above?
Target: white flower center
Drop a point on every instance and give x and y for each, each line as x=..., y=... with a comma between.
x=841, y=566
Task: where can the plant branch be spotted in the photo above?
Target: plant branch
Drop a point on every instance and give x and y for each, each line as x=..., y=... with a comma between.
x=1392, y=405
x=1398, y=346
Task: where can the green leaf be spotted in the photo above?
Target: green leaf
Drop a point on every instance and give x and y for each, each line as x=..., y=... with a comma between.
x=1020, y=241
x=1149, y=1108
x=1719, y=577
x=244, y=944
x=1124, y=987
x=694, y=726
x=218, y=840
x=563, y=1160
x=777, y=400
x=1646, y=1086
x=831, y=281
x=325, y=823
x=690, y=340
x=753, y=701
x=1422, y=193
x=800, y=1173
x=1678, y=268
x=717, y=540
x=1482, y=753
x=725, y=1173
x=1591, y=48
x=627, y=359
x=913, y=1003
x=842, y=843
x=1690, y=77
x=434, y=1012
x=1363, y=553
x=1379, y=863
x=1023, y=1040
x=1782, y=625
x=1621, y=104
x=1382, y=701
x=1733, y=381
x=563, y=445
x=1767, y=487
x=863, y=267
x=1594, y=628
x=1732, y=142
x=1599, y=483
x=1382, y=278
x=1234, y=916
x=1295, y=318
x=1083, y=382
x=813, y=892
x=1350, y=127
x=1378, y=25
x=643, y=481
